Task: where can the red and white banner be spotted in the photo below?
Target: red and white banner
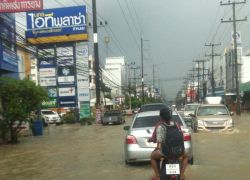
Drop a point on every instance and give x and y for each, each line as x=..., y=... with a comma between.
x=11, y=6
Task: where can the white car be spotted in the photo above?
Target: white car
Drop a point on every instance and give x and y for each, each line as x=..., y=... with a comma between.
x=50, y=117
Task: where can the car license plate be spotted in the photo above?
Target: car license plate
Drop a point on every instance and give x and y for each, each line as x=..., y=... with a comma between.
x=172, y=169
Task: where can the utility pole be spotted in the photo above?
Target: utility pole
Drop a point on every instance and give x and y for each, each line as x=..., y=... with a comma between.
x=96, y=54
x=142, y=76
x=213, y=55
x=193, y=87
x=233, y=4
x=135, y=79
x=153, y=76
x=198, y=77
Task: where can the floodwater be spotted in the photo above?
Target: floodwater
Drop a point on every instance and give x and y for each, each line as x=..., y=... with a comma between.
x=74, y=152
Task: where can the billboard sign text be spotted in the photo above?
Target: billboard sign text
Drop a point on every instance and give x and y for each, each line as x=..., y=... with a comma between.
x=12, y=6
x=57, y=25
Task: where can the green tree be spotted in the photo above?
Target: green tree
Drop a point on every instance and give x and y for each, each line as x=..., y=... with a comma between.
x=18, y=98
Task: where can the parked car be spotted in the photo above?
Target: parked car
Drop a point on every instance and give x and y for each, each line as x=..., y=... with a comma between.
x=113, y=117
x=50, y=117
x=136, y=146
x=213, y=117
x=152, y=107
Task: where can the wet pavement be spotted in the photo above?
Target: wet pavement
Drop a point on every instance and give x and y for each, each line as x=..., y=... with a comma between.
x=74, y=152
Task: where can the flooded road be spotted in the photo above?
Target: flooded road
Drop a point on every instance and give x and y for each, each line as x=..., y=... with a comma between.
x=74, y=152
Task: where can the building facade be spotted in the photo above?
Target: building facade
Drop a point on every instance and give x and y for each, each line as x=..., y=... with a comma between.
x=8, y=52
x=114, y=75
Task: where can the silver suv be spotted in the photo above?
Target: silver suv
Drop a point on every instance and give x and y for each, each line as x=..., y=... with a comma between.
x=213, y=117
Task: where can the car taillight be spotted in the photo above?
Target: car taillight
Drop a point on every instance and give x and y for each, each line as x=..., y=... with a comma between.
x=173, y=177
x=131, y=140
x=187, y=137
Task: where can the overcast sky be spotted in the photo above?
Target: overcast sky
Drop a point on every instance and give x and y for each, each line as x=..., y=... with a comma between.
x=174, y=32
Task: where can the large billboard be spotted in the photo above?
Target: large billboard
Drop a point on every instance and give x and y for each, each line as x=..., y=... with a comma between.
x=12, y=6
x=57, y=25
x=8, y=55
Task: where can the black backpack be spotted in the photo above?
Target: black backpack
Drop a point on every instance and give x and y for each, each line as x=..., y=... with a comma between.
x=174, y=142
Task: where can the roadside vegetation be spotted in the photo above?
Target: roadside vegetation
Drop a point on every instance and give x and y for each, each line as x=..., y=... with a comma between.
x=18, y=98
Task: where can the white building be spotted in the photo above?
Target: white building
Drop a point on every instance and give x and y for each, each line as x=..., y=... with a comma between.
x=114, y=75
x=245, y=69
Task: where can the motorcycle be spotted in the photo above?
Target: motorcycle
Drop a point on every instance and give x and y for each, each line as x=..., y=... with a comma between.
x=169, y=168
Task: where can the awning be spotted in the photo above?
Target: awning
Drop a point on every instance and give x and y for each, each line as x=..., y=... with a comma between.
x=245, y=86
x=107, y=102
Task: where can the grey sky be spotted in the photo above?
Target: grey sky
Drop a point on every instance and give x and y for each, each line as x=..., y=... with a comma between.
x=177, y=31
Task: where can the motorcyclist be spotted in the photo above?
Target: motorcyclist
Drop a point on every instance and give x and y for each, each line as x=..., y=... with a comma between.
x=159, y=137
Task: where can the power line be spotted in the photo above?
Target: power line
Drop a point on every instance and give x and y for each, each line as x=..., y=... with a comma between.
x=130, y=29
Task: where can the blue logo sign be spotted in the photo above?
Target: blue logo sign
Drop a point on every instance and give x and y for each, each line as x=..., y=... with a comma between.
x=56, y=22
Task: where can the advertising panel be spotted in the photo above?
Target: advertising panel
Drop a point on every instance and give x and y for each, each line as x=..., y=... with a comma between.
x=12, y=6
x=83, y=94
x=48, y=81
x=47, y=72
x=82, y=63
x=82, y=50
x=85, y=110
x=65, y=61
x=64, y=51
x=82, y=81
x=52, y=92
x=46, y=62
x=66, y=80
x=46, y=53
x=65, y=71
x=67, y=91
x=67, y=101
x=52, y=102
x=57, y=25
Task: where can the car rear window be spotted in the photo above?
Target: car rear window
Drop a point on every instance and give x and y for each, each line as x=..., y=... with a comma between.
x=146, y=121
x=112, y=113
x=150, y=121
x=152, y=107
x=212, y=110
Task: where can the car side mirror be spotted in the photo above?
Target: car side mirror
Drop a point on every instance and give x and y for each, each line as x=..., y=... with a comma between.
x=231, y=113
x=126, y=128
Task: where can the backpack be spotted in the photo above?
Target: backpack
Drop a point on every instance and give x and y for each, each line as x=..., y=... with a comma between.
x=174, y=142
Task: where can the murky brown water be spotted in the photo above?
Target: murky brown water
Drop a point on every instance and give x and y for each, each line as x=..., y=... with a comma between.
x=72, y=152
